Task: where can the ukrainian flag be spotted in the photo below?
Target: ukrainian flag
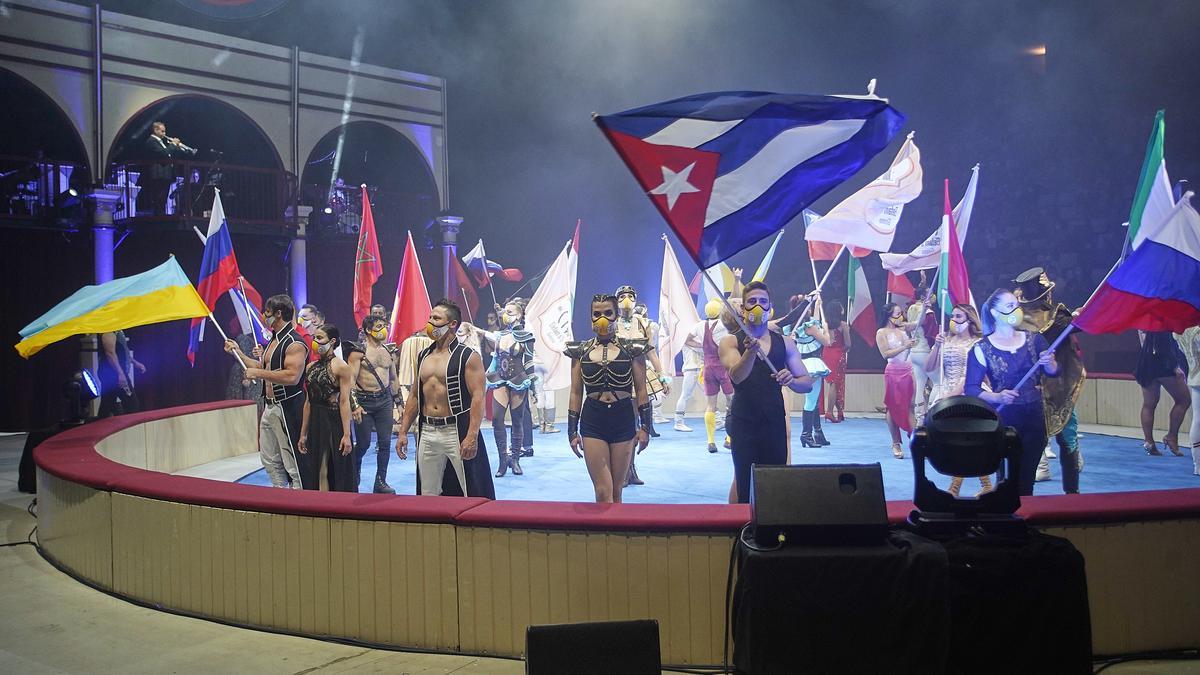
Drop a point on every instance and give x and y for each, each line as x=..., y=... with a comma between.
x=162, y=294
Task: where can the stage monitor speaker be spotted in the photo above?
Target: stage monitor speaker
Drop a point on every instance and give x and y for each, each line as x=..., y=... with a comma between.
x=819, y=503
x=599, y=648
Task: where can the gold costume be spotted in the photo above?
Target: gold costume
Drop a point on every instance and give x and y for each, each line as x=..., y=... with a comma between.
x=954, y=353
x=1060, y=393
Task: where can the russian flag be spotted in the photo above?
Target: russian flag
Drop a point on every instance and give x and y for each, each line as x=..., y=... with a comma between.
x=218, y=269
x=1157, y=286
x=728, y=169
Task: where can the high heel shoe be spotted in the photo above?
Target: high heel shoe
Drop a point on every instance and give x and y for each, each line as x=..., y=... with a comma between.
x=831, y=418
x=1172, y=443
x=1151, y=449
x=897, y=451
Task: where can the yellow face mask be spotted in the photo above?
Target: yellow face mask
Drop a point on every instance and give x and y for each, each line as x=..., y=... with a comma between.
x=756, y=315
x=626, y=303
x=600, y=326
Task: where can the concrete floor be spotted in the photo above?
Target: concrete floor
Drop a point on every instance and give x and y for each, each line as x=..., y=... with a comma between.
x=50, y=623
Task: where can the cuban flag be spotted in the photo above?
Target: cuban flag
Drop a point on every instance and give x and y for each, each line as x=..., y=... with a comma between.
x=218, y=270
x=1157, y=286
x=729, y=169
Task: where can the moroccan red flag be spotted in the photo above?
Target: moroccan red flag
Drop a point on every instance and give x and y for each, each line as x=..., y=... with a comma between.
x=898, y=284
x=411, y=308
x=367, y=266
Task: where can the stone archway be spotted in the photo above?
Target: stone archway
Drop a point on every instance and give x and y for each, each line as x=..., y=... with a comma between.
x=404, y=193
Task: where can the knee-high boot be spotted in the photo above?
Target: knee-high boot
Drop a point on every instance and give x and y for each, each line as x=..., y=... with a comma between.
x=518, y=439
x=806, y=433
x=500, y=434
x=818, y=433
x=631, y=477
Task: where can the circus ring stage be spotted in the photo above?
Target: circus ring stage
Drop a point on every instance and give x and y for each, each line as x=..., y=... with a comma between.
x=467, y=575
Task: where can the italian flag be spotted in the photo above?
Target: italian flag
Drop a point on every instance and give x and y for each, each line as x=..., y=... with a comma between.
x=860, y=311
x=953, y=285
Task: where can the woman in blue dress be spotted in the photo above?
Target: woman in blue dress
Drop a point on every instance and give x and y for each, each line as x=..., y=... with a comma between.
x=1002, y=358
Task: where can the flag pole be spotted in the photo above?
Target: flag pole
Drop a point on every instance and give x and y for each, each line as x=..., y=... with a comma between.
x=738, y=319
x=246, y=303
x=820, y=284
x=1070, y=327
x=226, y=338
x=466, y=302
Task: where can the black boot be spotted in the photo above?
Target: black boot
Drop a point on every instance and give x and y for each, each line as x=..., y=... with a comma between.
x=501, y=453
x=381, y=485
x=518, y=438
x=631, y=478
x=806, y=436
x=818, y=433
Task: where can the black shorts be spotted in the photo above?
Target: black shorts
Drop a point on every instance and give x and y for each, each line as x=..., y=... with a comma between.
x=614, y=422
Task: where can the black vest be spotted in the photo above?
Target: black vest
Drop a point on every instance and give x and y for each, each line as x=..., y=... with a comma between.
x=457, y=392
x=282, y=340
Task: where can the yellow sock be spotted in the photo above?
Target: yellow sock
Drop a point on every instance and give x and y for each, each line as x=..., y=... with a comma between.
x=710, y=425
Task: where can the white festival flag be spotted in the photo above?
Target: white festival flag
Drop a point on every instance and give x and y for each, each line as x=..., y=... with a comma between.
x=868, y=218
x=676, y=313
x=929, y=253
x=548, y=317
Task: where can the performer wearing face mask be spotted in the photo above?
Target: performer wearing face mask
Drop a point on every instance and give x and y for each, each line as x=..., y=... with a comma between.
x=1002, y=358
x=756, y=422
x=607, y=381
x=899, y=389
x=325, y=429
x=447, y=405
x=631, y=326
x=1034, y=290
x=510, y=377
x=281, y=369
x=376, y=393
x=811, y=340
x=949, y=353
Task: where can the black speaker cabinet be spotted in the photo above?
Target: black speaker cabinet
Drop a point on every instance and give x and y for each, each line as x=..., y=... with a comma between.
x=819, y=503
x=599, y=648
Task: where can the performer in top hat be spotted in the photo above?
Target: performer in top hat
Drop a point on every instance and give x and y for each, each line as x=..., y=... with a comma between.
x=1034, y=290
x=632, y=326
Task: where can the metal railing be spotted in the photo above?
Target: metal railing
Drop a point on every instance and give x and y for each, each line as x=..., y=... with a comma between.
x=249, y=195
x=38, y=189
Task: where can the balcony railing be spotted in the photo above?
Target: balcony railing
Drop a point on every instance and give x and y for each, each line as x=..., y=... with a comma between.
x=37, y=190
x=252, y=197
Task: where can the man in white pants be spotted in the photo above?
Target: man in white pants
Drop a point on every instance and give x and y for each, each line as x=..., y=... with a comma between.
x=447, y=404
x=693, y=361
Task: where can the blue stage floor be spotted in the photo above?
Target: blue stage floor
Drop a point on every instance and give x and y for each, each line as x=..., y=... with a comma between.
x=678, y=470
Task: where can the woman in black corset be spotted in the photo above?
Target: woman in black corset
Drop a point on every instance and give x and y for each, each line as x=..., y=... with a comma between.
x=325, y=427
x=608, y=377
x=757, y=416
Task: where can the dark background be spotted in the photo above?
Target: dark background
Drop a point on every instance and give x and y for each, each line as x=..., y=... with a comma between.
x=1060, y=138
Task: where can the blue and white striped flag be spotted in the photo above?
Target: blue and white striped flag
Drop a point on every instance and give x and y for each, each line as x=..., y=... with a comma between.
x=728, y=169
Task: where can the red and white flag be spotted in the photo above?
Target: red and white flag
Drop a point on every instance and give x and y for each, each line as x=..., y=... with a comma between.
x=868, y=218
x=928, y=254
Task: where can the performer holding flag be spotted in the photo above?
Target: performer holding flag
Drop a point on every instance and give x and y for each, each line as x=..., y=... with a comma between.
x=728, y=169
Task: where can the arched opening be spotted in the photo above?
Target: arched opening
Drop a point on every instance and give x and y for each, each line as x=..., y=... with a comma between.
x=41, y=153
x=210, y=125
x=403, y=191
x=231, y=152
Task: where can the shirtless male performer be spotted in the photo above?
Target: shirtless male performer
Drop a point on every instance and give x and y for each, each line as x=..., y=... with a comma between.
x=375, y=394
x=447, y=404
x=281, y=369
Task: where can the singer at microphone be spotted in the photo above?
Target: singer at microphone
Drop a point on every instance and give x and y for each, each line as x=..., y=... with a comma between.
x=157, y=178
